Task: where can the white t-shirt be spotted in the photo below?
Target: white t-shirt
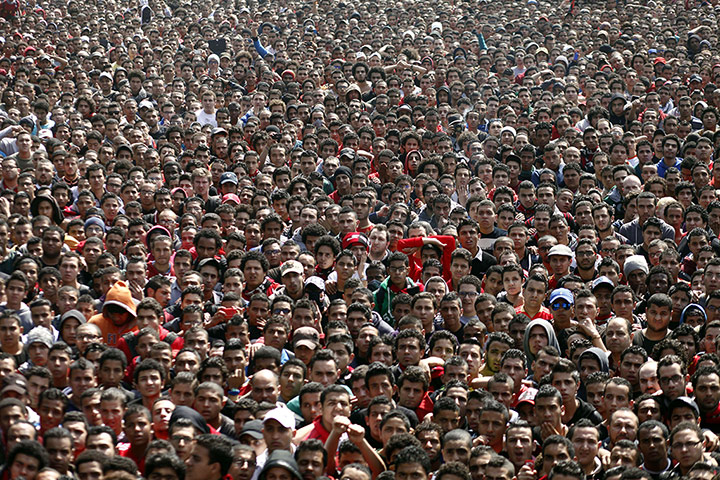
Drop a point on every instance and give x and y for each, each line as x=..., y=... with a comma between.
x=206, y=118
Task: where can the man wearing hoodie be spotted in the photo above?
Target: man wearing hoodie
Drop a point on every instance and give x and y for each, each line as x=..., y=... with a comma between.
x=280, y=464
x=539, y=334
x=592, y=360
x=118, y=315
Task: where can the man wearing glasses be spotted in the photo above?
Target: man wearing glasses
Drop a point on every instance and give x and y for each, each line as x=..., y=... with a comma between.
x=686, y=446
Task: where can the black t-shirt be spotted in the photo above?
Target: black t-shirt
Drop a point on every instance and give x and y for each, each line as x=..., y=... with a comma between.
x=585, y=410
x=641, y=340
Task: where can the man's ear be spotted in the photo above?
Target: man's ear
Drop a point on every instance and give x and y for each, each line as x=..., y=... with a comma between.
x=214, y=470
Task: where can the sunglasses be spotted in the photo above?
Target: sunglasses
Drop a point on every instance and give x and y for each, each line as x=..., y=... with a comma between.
x=558, y=305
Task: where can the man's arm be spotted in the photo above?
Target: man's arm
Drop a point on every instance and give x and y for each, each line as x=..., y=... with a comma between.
x=356, y=434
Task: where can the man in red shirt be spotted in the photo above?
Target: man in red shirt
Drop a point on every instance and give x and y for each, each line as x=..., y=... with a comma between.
x=533, y=293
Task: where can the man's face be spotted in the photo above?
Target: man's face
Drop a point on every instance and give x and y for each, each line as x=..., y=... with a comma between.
x=534, y=294
x=324, y=372
x=277, y=437
x=10, y=415
x=183, y=439
x=24, y=466
x=149, y=383
x=566, y=384
x=494, y=354
x=653, y=444
x=519, y=444
x=630, y=368
x=411, y=394
x=101, y=442
x=112, y=412
x=448, y=419
x=707, y=392
x=616, y=397
x=138, y=429
x=209, y=403
x=515, y=369
x=408, y=351
x=554, y=454
x=543, y=364
x=310, y=463
x=586, y=443
x=550, y=410
x=623, y=426
x=492, y=426
x=198, y=464
x=687, y=448
x=658, y=317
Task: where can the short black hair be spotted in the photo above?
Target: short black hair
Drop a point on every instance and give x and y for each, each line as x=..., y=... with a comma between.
x=31, y=448
x=413, y=454
x=219, y=450
x=164, y=460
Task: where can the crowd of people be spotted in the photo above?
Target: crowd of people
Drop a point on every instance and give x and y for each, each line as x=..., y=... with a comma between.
x=450, y=240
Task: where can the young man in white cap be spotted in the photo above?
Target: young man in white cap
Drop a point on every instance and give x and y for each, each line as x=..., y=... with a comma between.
x=278, y=431
x=560, y=258
x=292, y=279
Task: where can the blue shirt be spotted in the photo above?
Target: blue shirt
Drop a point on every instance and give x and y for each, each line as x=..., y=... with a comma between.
x=662, y=166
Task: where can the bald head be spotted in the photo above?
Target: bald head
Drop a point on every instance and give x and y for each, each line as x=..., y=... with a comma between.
x=647, y=376
x=631, y=183
x=265, y=386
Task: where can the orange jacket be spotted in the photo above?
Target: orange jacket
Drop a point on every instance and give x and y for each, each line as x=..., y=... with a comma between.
x=118, y=295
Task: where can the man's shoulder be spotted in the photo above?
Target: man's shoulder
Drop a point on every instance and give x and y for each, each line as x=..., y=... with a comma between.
x=629, y=225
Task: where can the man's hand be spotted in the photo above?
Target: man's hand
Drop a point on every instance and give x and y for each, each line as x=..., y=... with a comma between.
x=216, y=319
x=527, y=472
x=586, y=326
x=261, y=323
x=136, y=290
x=604, y=456
x=481, y=440
x=235, y=379
x=433, y=241
x=341, y=424
x=384, y=211
x=711, y=441
x=252, y=348
x=547, y=429
x=356, y=434
x=5, y=207
x=432, y=362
